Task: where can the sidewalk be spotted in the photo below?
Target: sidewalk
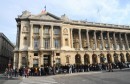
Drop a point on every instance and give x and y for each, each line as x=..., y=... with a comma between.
x=90, y=72
x=72, y=74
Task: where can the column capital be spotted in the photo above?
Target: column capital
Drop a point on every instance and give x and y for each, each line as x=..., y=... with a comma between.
x=87, y=30
x=71, y=28
x=102, y=31
x=41, y=26
x=31, y=24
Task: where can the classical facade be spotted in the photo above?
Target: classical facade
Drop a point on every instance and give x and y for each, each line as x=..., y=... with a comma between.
x=6, y=52
x=46, y=39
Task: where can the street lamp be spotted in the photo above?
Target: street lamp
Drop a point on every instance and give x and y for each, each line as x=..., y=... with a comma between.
x=53, y=63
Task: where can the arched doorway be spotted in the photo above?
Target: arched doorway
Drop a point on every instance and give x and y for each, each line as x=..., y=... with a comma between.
x=128, y=57
x=122, y=58
x=94, y=59
x=102, y=58
x=86, y=59
x=115, y=55
x=109, y=58
x=77, y=59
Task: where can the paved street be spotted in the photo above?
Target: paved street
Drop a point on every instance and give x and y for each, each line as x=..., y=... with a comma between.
x=116, y=77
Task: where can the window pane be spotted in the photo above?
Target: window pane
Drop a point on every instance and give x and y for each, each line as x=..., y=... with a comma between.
x=56, y=31
x=46, y=43
x=36, y=29
x=36, y=44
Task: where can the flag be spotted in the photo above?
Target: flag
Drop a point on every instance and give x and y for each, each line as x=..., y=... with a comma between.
x=44, y=9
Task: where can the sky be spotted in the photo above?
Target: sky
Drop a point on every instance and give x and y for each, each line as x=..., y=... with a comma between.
x=103, y=11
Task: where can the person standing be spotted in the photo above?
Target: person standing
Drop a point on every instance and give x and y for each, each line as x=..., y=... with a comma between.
x=70, y=68
x=16, y=72
x=110, y=67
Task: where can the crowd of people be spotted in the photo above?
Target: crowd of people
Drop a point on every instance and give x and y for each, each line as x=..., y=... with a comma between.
x=62, y=69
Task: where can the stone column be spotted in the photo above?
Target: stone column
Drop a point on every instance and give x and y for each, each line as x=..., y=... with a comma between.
x=41, y=38
x=61, y=37
x=41, y=58
x=95, y=40
x=126, y=40
x=115, y=44
x=20, y=37
x=121, y=45
x=14, y=61
x=108, y=38
x=80, y=41
x=87, y=35
x=52, y=46
x=17, y=40
x=31, y=36
x=19, y=60
x=102, y=40
x=72, y=46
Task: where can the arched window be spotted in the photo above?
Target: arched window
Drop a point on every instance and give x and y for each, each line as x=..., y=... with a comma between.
x=122, y=57
x=115, y=55
x=77, y=59
x=128, y=57
x=86, y=59
x=109, y=58
x=94, y=59
x=102, y=58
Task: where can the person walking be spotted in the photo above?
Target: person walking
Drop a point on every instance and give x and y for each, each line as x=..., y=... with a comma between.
x=110, y=67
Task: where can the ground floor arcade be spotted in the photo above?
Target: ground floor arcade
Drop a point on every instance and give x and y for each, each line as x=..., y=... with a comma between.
x=49, y=58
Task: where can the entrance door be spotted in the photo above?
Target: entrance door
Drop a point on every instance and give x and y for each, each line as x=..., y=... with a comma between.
x=47, y=60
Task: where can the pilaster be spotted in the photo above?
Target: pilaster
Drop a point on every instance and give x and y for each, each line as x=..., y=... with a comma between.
x=41, y=37
x=115, y=44
x=102, y=40
x=121, y=45
x=88, y=42
x=31, y=37
x=19, y=60
x=95, y=40
x=80, y=41
x=108, y=38
x=52, y=39
x=126, y=40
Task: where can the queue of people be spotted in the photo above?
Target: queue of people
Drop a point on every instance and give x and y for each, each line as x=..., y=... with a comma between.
x=61, y=69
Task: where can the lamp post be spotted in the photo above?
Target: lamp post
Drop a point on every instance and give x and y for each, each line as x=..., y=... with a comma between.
x=53, y=63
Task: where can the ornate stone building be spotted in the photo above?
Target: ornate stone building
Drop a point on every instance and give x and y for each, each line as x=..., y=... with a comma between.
x=46, y=39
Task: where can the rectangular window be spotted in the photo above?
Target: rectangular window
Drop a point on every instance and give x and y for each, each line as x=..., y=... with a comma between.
x=123, y=45
x=94, y=46
x=101, y=47
x=56, y=30
x=36, y=29
x=24, y=61
x=67, y=59
x=57, y=54
x=56, y=43
x=46, y=30
x=35, y=62
x=107, y=47
x=118, y=46
x=47, y=43
x=58, y=61
x=35, y=54
x=36, y=42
